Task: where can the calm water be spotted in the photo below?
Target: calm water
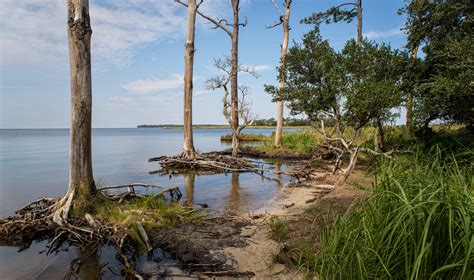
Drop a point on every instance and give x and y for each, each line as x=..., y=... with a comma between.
x=34, y=163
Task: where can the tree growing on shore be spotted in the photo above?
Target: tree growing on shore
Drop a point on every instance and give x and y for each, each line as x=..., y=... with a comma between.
x=189, y=151
x=222, y=82
x=233, y=34
x=285, y=22
x=81, y=181
x=315, y=80
x=376, y=91
x=444, y=86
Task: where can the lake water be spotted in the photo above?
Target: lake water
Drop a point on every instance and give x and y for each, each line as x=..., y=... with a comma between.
x=34, y=163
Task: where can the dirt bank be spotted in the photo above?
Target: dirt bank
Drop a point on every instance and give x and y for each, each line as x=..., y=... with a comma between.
x=240, y=246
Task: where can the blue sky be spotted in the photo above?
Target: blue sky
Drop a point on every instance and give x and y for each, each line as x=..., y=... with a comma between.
x=138, y=57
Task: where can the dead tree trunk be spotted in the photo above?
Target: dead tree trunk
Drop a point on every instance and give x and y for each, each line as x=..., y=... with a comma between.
x=409, y=105
x=285, y=20
x=234, y=87
x=188, y=148
x=81, y=181
x=359, y=23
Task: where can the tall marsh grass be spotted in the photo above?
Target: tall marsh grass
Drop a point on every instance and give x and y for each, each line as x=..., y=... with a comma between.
x=417, y=225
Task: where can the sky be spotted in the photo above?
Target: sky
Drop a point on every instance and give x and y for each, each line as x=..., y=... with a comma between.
x=138, y=57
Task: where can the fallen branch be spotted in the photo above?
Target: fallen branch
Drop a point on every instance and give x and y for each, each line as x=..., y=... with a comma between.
x=144, y=236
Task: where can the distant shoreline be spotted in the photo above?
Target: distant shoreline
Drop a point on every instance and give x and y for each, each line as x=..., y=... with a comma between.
x=212, y=126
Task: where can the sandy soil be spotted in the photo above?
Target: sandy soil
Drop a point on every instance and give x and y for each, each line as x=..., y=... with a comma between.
x=258, y=256
x=240, y=246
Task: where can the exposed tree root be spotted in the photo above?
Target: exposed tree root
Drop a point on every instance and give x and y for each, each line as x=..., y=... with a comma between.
x=210, y=162
x=45, y=219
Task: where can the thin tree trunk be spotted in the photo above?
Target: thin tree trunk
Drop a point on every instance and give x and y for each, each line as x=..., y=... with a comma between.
x=337, y=120
x=81, y=181
x=188, y=147
x=379, y=137
x=409, y=104
x=359, y=23
x=233, y=80
x=284, y=49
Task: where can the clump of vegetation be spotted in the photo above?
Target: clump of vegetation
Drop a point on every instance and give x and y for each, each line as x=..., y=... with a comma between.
x=251, y=137
x=278, y=230
x=294, y=143
x=152, y=212
x=417, y=225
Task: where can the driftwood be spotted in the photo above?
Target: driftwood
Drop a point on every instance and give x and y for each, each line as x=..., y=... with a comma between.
x=347, y=147
x=217, y=162
x=211, y=162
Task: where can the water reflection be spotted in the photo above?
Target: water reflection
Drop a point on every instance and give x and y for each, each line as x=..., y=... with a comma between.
x=189, y=180
x=90, y=267
x=238, y=197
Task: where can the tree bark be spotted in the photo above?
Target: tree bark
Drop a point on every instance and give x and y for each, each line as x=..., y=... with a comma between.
x=234, y=79
x=409, y=105
x=81, y=181
x=188, y=147
x=359, y=23
x=337, y=120
x=379, y=137
x=281, y=86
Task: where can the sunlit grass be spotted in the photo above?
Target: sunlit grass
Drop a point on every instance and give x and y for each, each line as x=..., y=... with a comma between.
x=152, y=212
x=417, y=225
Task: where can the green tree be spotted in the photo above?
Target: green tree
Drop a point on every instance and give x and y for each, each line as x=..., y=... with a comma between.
x=315, y=80
x=444, y=89
x=377, y=88
x=343, y=12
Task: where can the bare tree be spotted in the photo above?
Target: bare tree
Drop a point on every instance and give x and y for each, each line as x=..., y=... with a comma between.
x=244, y=115
x=81, y=180
x=189, y=151
x=233, y=33
x=285, y=21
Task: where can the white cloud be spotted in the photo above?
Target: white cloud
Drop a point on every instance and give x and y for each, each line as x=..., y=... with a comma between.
x=120, y=101
x=154, y=84
x=383, y=34
x=263, y=67
x=34, y=31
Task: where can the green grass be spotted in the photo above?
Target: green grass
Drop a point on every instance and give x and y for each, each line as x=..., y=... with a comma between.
x=417, y=225
x=278, y=230
x=295, y=143
x=150, y=211
x=248, y=137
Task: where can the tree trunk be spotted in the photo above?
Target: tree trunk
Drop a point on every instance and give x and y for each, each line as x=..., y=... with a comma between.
x=359, y=23
x=81, y=181
x=337, y=120
x=234, y=94
x=189, y=151
x=235, y=143
x=379, y=137
x=284, y=48
x=409, y=104
x=350, y=167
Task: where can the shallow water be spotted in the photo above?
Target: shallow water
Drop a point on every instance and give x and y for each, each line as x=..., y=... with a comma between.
x=34, y=163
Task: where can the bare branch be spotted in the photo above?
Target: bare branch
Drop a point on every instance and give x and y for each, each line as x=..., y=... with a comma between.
x=217, y=23
x=244, y=24
x=275, y=24
x=277, y=7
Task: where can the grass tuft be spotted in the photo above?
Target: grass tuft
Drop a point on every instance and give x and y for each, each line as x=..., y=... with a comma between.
x=417, y=225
